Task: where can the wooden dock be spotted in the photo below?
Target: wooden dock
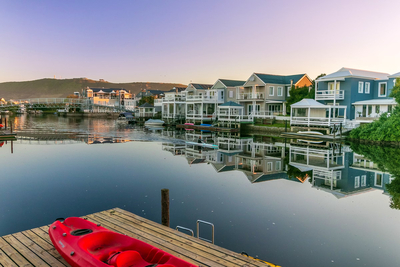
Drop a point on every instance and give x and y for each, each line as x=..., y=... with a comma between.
x=331, y=138
x=34, y=248
x=208, y=128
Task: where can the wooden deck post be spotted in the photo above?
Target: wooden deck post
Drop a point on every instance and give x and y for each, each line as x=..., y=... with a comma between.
x=165, y=207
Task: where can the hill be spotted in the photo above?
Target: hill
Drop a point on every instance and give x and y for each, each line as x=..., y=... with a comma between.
x=63, y=87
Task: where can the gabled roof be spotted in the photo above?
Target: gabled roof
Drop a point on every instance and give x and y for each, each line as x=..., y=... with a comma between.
x=146, y=105
x=232, y=83
x=199, y=86
x=306, y=102
x=230, y=104
x=347, y=73
x=179, y=89
x=396, y=75
x=279, y=79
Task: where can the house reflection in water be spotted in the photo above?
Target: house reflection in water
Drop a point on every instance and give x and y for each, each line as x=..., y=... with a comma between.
x=331, y=167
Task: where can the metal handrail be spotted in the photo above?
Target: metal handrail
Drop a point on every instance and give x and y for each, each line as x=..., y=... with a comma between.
x=198, y=230
x=184, y=228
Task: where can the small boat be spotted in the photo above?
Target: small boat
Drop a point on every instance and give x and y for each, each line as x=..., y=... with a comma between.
x=202, y=144
x=126, y=117
x=152, y=122
x=310, y=133
x=189, y=123
x=83, y=243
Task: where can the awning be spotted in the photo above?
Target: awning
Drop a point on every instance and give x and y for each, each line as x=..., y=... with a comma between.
x=390, y=101
x=301, y=168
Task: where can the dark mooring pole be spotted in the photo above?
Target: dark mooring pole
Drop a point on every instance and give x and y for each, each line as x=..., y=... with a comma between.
x=165, y=207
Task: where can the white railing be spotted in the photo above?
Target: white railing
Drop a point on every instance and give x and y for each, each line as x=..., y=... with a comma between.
x=329, y=94
x=316, y=121
x=264, y=114
x=250, y=96
x=225, y=116
x=204, y=98
x=146, y=114
x=175, y=98
x=158, y=101
x=327, y=174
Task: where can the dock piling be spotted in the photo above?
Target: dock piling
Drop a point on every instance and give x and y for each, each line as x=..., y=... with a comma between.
x=165, y=207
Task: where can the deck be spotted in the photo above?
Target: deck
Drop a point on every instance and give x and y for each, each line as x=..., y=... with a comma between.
x=34, y=248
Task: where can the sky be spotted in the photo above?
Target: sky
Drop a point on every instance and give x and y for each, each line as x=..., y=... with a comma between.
x=200, y=41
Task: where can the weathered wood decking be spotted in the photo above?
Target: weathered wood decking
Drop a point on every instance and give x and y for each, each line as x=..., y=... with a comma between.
x=34, y=248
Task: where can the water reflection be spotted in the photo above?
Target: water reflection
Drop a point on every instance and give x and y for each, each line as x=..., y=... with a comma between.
x=270, y=197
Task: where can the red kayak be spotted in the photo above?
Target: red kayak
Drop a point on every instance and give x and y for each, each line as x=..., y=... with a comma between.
x=84, y=244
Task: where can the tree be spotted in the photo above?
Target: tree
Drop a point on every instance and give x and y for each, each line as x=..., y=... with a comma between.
x=297, y=94
x=396, y=91
x=146, y=99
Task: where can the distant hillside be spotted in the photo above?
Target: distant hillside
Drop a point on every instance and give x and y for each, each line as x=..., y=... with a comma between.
x=64, y=87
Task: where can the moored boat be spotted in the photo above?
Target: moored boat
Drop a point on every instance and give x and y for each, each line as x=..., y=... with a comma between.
x=126, y=117
x=83, y=243
x=152, y=122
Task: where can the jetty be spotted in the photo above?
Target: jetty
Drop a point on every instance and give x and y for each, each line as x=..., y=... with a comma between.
x=208, y=128
x=34, y=248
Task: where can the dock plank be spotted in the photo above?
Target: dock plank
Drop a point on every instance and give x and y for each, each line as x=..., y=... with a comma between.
x=34, y=248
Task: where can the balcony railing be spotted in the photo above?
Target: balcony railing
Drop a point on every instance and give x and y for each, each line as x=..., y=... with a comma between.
x=204, y=98
x=250, y=96
x=224, y=116
x=329, y=94
x=316, y=121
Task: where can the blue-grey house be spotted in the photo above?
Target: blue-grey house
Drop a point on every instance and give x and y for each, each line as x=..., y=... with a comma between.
x=364, y=93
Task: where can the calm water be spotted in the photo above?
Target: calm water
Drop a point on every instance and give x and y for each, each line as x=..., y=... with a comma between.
x=259, y=202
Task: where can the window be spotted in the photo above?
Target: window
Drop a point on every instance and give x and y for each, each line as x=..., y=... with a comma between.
x=367, y=88
x=269, y=166
x=271, y=90
x=360, y=87
x=231, y=94
x=288, y=91
x=280, y=89
x=378, y=179
x=277, y=166
x=369, y=109
x=331, y=86
x=390, y=108
x=382, y=90
x=357, y=182
x=363, y=180
x=377, y=109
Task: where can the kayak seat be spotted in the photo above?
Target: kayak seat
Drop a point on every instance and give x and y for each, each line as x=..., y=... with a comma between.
x=157, y=256
x=130, y=258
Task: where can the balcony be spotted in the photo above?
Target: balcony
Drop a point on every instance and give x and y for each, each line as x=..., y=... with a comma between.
x=204, y=99
x=329, y=94
x=225, y=116
x=316, y=121
x=250, y=96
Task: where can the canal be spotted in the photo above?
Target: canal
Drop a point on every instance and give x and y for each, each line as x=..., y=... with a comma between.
x=288, y=202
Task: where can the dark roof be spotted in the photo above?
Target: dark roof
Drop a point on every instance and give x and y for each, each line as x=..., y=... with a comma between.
x=232, y=83
x=106, y=90
x=150, y=92
x=230, y=104
x=279, y=79
x=201, y=86
x=146, y=105
x=180, y=89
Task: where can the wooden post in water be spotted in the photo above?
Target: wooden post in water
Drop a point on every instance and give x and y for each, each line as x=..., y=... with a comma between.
x=165, y=207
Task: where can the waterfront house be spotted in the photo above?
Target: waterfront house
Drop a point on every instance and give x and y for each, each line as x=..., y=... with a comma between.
x=146, y=111
x=202, y=102
x=264, y=95
x=173, y=103
x=364, y=93
x=111, y=97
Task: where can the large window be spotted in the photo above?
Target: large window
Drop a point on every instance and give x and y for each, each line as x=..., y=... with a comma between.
x=363, y=180
x=378, y=179
x=230, y=93
x=377, y=109
x=382, y=90
x=331, y=86
x=357, y=182
x=280, y=91
x=269, y=166
x=288, y=90
x=369, y=109
x=360, y=87
x=277, y=166
x=271, y=90
x=390, y=108
x=367, y=88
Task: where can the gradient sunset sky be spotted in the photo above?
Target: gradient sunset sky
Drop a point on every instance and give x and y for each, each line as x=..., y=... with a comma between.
x=200, y=41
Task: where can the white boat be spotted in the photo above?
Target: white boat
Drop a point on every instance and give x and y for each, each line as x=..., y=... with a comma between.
x=310, y=132
x=152, y=122
x=202, y=144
